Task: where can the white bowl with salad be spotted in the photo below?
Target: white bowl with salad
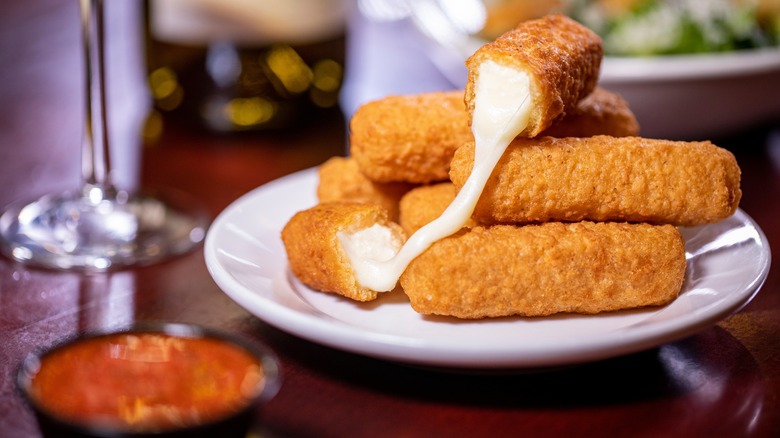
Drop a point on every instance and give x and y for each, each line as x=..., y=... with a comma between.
x=690, y=69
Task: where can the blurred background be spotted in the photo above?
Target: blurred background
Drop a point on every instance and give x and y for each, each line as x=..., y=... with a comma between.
x=689, y=68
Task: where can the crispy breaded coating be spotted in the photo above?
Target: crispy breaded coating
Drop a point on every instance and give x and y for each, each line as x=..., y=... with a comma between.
x=600, y=113
x=606, y=178
x=423, y=204
x=412, y=138
x=341, y=180
x=315, y=254
x=539, y=270
x=561, y=57
x=409, y=138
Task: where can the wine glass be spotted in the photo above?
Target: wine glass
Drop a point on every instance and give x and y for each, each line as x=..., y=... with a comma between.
x=99, y=227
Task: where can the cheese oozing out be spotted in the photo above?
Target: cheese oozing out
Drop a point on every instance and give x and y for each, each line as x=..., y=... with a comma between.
x=376, y=242
x=502, y=109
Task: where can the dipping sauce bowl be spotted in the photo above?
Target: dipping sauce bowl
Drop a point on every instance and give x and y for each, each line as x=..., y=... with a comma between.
x=162, y=380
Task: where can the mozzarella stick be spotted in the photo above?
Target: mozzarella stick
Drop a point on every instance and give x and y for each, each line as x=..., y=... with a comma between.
x=540, y=270
x=605, y=178
x=520, y=79
x=602, y=112
x=341, y=180
x=423, y=204
x=412, y=138
x=313, y=241
x=409, y=138
x=559, y=57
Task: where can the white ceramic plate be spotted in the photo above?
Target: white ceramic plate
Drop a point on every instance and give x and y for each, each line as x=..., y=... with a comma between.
x=727, y=264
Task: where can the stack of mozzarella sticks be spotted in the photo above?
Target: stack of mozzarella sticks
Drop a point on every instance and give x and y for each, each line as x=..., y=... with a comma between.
x=580, y=214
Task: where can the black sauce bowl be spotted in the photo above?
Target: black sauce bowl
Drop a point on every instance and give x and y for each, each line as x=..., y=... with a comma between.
x=235, y=424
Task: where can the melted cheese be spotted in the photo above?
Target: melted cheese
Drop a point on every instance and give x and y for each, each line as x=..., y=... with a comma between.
x=376, y=242
x=501, y=112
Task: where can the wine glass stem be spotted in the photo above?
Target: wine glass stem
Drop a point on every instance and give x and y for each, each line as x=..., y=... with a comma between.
x=95, y=161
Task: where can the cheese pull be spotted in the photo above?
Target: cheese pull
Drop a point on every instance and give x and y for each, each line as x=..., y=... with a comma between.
x=560, y=57
x=518, y=85
x=411, y=138
x=320, y=240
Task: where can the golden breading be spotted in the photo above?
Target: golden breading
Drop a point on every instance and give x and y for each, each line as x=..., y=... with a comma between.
x=606, y=178
x=315, y=254
x=409, y=138
x=412, y=138
x=341, y=180
x=561, y=57
x=423, y=204
x=600, y=113
x=540, y=270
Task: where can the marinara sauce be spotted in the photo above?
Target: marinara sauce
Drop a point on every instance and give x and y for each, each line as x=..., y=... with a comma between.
x=146, y=381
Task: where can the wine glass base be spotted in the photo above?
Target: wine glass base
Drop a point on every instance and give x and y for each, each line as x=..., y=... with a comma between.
x=97, y=231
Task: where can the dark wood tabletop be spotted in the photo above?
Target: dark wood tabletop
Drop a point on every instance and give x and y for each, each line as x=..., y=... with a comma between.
x=721, y=381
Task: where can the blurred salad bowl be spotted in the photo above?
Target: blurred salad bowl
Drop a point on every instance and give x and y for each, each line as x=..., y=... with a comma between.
x=689, y=69
x=699, y=96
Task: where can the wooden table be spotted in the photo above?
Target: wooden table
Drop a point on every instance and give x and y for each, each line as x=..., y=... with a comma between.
x=723, y=381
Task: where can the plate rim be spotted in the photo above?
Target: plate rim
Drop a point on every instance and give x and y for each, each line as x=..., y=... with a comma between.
x=338, y=334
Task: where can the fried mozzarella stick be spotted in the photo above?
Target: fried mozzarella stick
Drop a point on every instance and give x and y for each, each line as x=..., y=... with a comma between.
x=602, y=112
x=409, y=138
x=412, y=138
x=526, y=78
x=605, y=178
x=560, y=58
x=539, y=270
x=313, y=240
x=423, y=204
x=341, y=180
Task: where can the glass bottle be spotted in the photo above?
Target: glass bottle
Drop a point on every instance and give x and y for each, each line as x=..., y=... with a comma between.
x=244, y=65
